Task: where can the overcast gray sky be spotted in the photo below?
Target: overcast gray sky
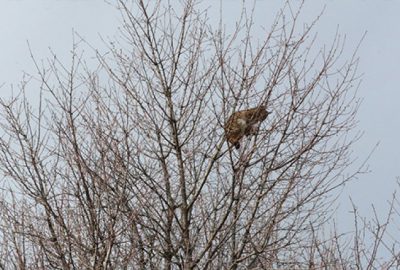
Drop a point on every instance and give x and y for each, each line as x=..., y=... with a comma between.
x=49, y=23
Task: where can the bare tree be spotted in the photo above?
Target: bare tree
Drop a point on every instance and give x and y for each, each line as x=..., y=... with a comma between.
x=126, y=166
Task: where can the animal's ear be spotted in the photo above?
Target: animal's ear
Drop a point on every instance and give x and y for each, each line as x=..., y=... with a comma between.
x=264, y=108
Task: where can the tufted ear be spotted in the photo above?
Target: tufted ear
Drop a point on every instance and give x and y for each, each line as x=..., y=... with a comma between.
x=263, y=108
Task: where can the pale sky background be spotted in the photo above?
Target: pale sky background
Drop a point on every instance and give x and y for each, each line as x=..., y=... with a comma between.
x=50, y=23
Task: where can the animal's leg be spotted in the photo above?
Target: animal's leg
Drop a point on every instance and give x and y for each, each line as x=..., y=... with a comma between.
x=252, y=130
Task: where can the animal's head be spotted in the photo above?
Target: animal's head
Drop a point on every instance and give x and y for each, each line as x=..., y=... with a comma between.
x=262, y=112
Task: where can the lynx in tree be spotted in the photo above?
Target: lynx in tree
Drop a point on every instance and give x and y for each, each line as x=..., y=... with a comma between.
x=245, y=122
